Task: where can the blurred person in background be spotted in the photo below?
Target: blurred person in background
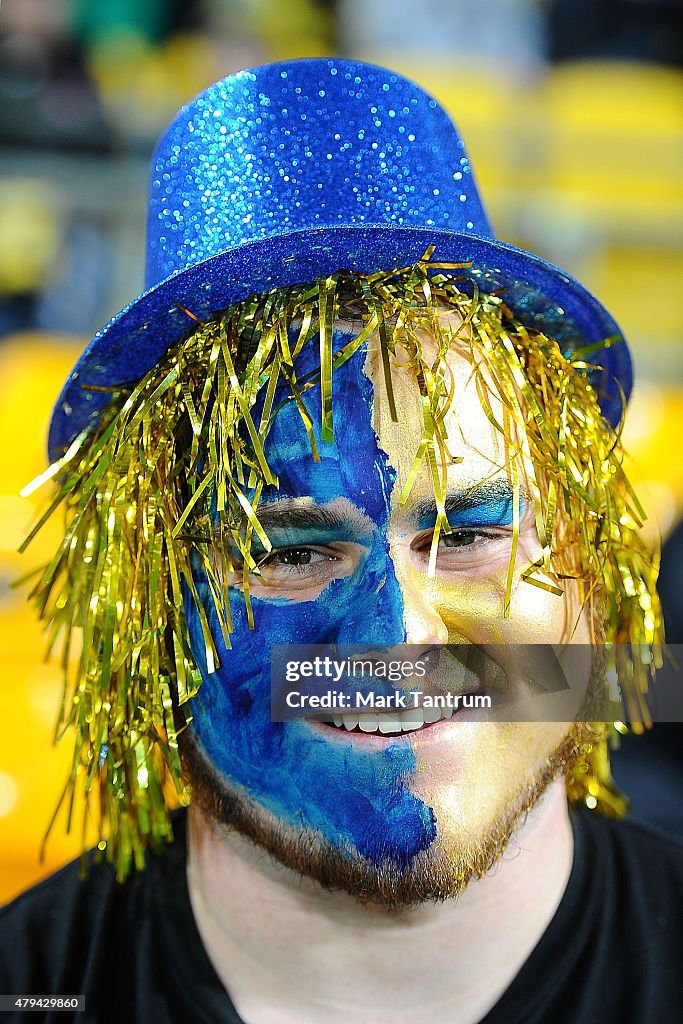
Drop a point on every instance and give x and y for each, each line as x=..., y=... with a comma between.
x=649, y=768
x=342, y=411
x=501, y=36
x=644, y=30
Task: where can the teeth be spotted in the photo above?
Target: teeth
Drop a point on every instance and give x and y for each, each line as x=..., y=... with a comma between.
x=430, y=714
x=387, y=724
x=412, y=719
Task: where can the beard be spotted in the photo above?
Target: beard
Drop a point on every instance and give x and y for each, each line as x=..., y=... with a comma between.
x=434, y=875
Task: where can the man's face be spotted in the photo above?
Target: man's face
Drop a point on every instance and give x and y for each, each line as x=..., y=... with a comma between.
x=394, y=816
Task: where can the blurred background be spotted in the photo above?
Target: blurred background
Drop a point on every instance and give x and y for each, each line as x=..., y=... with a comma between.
x=573, y=115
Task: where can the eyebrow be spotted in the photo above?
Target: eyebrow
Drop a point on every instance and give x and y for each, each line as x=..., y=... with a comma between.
x=469, y=496
x=291, y=513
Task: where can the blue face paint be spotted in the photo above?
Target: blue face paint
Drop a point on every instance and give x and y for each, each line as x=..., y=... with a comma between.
x=484, y=507
x=356, y=799
x=484, y=513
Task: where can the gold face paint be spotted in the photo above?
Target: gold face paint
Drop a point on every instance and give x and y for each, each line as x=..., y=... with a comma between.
x=172, y=478
x=474, y=772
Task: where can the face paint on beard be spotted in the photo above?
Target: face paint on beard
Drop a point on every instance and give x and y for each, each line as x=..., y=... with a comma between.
x=358, y=803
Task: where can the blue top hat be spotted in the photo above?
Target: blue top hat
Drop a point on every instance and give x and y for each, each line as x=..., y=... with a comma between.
x=290, y=171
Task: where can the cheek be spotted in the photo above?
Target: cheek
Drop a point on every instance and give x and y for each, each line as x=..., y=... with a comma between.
x=472, y=610
x=364, y=608
x=356, y=799
x=545, y=639
x=494, y=762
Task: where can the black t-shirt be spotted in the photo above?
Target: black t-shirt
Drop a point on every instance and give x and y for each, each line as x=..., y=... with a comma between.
x=612, y=952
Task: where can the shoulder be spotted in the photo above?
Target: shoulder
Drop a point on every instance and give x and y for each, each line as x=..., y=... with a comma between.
x=53, y=935
x=612, y=951
x=76, y=890
x=640, y=870
x=632, y=843
x=45, y=932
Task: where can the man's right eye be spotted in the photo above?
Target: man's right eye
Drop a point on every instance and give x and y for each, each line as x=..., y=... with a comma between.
x=299, y=571
x=303, y=560
x=290, y=556
x=299, y=568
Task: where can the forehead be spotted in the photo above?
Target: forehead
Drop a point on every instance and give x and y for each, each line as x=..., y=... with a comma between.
x=373, y=453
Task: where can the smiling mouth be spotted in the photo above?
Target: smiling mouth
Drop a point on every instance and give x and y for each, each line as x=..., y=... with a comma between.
x=389, y=724
x=453, y=675
x=465, y=683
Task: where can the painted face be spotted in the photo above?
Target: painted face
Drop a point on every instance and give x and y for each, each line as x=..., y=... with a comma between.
x=350, y=565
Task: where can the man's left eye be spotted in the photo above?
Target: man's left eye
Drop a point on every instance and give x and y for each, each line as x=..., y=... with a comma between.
x=467, y=548
x=460, y=538
x=472, y=535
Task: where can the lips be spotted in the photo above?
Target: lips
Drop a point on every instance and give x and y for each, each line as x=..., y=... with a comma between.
x=518, y=679
x=390, y=723
x=450, y=678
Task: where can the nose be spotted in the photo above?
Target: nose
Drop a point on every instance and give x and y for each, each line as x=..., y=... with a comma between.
x=423, y=623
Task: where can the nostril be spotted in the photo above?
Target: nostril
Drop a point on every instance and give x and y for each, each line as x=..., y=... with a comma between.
x=424, y=626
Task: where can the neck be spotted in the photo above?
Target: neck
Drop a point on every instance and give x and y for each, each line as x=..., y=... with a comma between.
x=286, y=950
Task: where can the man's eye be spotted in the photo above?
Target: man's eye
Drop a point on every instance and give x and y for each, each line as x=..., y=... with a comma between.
x=467, y=548
x=299, y=571
x=292, y=556
x=304, y=563
x=459, y=538
x=467, y=538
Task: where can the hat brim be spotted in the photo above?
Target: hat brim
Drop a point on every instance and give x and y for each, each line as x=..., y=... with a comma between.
x=538, y=293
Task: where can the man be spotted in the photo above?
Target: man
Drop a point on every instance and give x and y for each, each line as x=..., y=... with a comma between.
x=344, y=414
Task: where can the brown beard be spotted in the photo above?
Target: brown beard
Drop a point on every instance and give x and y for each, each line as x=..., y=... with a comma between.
x=433, y=875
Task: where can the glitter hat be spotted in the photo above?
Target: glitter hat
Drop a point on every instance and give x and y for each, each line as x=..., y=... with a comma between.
x=296, y=170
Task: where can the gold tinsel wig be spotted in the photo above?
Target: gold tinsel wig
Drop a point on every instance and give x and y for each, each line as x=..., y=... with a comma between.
x=180, y=457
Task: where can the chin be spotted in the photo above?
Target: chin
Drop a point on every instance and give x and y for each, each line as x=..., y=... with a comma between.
x=464, y=849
